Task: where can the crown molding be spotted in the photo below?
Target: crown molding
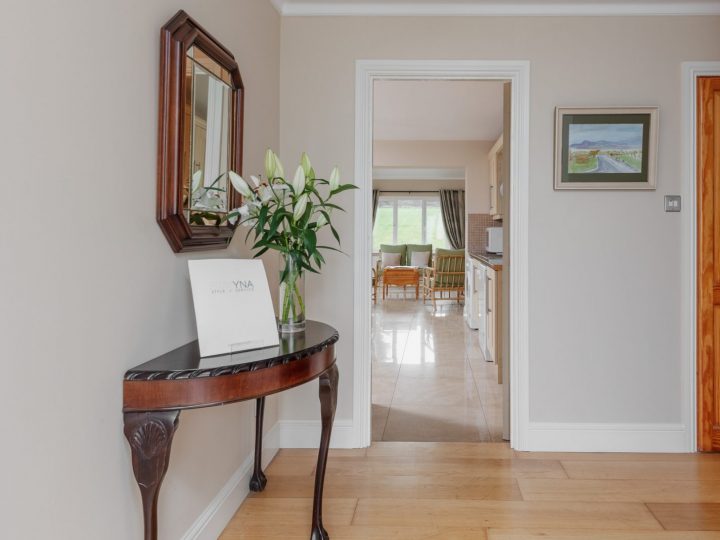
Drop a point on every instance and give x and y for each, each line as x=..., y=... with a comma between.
x=328, y=8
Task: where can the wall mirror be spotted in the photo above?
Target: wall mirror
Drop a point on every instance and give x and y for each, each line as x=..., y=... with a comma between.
x=200, y=136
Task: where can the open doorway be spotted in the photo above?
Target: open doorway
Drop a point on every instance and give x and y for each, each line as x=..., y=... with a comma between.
x=440, y=162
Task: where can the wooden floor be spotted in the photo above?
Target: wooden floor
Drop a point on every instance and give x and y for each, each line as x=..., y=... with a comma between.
x=486, y=491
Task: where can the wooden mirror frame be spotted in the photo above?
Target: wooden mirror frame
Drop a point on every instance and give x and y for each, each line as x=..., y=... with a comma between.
x=176, y=37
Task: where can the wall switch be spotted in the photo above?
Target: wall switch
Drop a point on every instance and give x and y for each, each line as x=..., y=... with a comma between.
x=672, y=203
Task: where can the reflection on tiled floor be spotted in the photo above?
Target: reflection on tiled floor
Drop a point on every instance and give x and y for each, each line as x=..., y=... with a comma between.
x=430, y=380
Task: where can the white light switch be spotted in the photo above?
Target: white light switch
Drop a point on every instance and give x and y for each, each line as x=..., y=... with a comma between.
x=672, y=203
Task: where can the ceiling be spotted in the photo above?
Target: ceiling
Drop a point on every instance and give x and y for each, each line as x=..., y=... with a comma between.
x=496, y=7
x=438, y=110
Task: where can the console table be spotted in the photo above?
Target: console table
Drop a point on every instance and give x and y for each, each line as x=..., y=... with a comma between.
x=155, y=392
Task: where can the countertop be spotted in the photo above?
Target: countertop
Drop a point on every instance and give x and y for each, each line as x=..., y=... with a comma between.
x=490, y=260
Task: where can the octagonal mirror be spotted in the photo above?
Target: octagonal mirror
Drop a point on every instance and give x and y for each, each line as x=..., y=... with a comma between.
x=200, y=139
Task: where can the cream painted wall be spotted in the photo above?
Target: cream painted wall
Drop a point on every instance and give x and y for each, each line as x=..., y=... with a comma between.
x=90, y=286
x=473, y=155
x=604, y=291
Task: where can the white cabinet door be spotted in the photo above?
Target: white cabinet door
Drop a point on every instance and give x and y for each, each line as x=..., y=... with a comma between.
x=481, y=305
x=491, y=316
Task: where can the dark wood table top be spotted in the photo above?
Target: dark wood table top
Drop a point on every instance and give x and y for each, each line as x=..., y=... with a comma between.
x=186, y=363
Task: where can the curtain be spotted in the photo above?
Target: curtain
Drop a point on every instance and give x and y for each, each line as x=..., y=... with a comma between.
x=375, y=199
x=452, y=206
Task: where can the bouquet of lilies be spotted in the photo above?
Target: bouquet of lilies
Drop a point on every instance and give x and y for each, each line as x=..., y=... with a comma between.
x=286, y=216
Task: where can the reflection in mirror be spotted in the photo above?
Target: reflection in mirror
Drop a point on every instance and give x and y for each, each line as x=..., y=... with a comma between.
x=209, y=110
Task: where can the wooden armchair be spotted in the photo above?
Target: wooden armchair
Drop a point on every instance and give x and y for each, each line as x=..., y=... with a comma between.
x=447, y=275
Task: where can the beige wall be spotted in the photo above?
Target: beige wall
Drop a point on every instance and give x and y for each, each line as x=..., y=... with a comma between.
x=472, y=155
x=604, y=291
x=90, y=286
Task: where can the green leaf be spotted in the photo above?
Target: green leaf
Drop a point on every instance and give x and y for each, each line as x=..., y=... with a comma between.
x=343, y=187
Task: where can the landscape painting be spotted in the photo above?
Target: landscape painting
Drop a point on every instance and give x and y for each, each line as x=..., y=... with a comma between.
x=605, y=148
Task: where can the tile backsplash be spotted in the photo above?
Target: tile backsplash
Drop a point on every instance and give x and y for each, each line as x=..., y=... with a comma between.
x=476, y=233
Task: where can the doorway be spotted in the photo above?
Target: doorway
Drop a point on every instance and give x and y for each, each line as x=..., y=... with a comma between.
x=517, y=72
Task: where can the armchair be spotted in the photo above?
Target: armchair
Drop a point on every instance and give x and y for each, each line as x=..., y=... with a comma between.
x=446, y=275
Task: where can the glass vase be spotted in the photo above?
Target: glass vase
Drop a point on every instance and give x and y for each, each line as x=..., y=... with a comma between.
x=291, y=300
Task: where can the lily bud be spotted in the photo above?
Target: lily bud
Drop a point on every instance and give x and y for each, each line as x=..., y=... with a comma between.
x=298, y=183
x=279, y=171
x=305, y=162
x=239, y=184
x=321, y=221
x=334, y=179
x=300, y=206
x=269, y=165
x=255, y=181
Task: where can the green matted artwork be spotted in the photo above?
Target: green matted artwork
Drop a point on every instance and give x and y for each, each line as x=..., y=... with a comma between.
x=605, y=148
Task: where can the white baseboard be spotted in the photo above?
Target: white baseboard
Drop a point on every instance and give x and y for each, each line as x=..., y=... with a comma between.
x=213, y=520
x=568, y=437
x=306, y=434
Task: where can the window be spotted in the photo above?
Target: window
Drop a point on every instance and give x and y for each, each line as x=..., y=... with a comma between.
x=409, y=219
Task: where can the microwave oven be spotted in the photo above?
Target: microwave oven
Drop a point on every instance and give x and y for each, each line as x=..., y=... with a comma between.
x=495, y=240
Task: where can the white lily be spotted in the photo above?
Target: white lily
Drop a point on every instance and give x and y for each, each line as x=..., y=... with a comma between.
x=196, y=177
x=269, y=164
x=240, y=185
x=321, y=221
x=298, y=183
x=305, y=162
x=255, y=181
x=300, y=207
x=265, y=194
x=334, y=179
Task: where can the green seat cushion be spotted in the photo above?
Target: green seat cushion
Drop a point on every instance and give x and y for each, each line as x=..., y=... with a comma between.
x=417, y=248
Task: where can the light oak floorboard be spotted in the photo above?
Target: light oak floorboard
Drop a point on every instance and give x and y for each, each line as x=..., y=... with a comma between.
x=549, y=534
x=681, y=517
x=620, y=490
x=502, y=514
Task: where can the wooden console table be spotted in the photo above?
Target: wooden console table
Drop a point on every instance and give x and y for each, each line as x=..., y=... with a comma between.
x=155, y=392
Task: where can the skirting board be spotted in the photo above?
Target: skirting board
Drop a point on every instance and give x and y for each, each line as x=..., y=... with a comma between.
x=306, y=434
x=567, y=437
x=213, y=520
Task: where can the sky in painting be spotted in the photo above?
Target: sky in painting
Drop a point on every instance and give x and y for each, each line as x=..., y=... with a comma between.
x=624, y=134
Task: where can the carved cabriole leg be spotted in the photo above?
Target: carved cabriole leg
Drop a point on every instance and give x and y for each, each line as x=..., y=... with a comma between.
x=258, y=480
x=150, y=436
x=328, y=403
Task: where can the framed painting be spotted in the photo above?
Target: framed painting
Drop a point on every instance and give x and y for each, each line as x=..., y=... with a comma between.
x=605, y=148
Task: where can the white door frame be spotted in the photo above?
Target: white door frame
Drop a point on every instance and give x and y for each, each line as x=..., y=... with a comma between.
x=518, y=73
x=690, y=73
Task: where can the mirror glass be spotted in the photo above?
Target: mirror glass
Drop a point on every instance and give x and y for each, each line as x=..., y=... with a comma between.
x=208, y=111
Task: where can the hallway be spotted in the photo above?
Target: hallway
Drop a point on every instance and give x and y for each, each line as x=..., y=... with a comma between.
x=430, y=381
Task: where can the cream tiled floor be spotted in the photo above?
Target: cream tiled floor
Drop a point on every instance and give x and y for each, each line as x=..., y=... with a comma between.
x=430, y=380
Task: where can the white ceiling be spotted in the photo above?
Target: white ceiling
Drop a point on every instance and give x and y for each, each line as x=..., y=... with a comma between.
x=438, y=110
x=496, y=7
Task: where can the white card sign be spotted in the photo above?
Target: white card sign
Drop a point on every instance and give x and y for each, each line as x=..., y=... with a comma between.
x=233, y=308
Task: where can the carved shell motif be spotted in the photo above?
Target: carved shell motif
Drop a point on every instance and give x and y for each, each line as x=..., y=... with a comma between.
x=150, y=438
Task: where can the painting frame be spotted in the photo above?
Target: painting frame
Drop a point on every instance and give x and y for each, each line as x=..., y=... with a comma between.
x=610, y=142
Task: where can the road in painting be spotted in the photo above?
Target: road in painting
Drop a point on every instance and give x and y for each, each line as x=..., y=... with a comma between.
x=605, y=148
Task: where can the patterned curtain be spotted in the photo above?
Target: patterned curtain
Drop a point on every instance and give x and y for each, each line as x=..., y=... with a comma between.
x=375, y=199
x=452, y=205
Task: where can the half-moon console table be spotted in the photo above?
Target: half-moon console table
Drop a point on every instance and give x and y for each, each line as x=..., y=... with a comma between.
x=155, y=392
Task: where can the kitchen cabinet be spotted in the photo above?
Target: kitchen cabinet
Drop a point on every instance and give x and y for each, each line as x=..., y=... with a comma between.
x=483, y=303
x=495, y=159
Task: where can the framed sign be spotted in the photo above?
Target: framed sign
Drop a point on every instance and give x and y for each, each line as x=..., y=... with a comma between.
x=605, y=148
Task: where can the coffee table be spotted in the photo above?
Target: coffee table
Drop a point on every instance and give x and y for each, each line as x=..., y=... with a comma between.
x=401, y=276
